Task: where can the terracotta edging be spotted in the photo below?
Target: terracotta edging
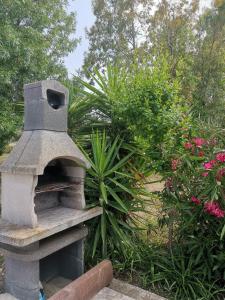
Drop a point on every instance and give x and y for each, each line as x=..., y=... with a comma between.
x=88, y=285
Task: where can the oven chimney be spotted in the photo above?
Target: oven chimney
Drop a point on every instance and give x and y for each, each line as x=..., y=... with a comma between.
x=46, y=104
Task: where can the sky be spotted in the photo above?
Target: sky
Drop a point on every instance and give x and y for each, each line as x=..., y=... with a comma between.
x=85, y=19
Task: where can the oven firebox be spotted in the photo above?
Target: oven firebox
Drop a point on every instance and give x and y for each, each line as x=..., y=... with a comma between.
x=42, y=227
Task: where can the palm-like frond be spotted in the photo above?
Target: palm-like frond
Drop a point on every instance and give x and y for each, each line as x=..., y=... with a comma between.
x=94, y=109
x=110, y=185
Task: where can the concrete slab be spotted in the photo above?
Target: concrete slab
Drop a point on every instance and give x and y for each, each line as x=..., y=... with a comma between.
x=109, y=294
x=50, y=221
x=133, y=291
x=47, y=247
x=55, y=285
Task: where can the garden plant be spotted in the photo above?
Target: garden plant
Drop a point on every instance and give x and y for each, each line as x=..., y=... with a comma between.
x=194, y=205
x=149, y=99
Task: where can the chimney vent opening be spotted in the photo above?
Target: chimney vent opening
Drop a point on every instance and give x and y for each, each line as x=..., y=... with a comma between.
x=55, y=99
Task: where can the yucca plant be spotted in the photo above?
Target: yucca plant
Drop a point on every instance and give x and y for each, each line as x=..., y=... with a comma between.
x=94, y=106
x=111, y=185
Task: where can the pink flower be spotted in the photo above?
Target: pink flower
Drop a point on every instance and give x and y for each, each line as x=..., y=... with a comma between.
x=213, y=209
x=188, y=145
x=201, y=153
x=205, y=174
x=174, y=164
x=220, y=173
x=199, y=142
x=169, y=183
x=195, y=200
x=209, y=165
x=219, y=213
x=220, y=157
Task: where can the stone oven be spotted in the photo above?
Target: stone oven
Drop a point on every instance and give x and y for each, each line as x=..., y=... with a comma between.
x=43, y=204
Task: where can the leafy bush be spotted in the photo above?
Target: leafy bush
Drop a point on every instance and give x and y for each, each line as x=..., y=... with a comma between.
x=141, y=103
x=180, y=276
x=110, y=184
x=9, y=123
x=194, y=204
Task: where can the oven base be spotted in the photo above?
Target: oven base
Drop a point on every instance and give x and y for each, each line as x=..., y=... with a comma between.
x=23, y=275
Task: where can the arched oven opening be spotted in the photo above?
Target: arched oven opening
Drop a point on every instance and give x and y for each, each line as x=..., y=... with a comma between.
x=61, y=184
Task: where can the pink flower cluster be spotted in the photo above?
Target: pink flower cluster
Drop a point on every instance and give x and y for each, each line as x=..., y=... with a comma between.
x=209, y=165
x=195, y=200
x=188, y=145
x=174, y=164
x=169, y=183
x=220, y=157
x=213, y=208
x=199, y=142
x=220, y=174
x=201, y=153
x=199, y=147
x=196, y=143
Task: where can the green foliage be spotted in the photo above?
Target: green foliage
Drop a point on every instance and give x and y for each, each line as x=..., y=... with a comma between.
x=140, y=103
x=9, y=123
x=35, y=36
x=171, y=32
x=189, y=38
x=182, y=278
x=209, y=65
x=110, y=184
x=115, y=33
x=194, y=203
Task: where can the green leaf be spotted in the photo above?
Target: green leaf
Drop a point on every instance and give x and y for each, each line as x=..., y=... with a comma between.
x=90, y=88
x=103, y=192
x=123, y=187
x=103, y=232
x=222, y=232
x=96, y=240
x=118, y=165
x=117, y=199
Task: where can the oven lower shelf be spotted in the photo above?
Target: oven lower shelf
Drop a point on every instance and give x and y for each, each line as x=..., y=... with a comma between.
x=50, y=221
x=46, y=246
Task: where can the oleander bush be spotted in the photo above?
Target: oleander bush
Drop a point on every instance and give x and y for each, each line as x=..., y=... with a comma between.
x=194, y=209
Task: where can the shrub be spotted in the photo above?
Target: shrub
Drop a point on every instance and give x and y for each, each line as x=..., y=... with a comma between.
x=194, y=203
x=181, y=276
x=9, y=123
x=141, y=103
x=111, y=185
